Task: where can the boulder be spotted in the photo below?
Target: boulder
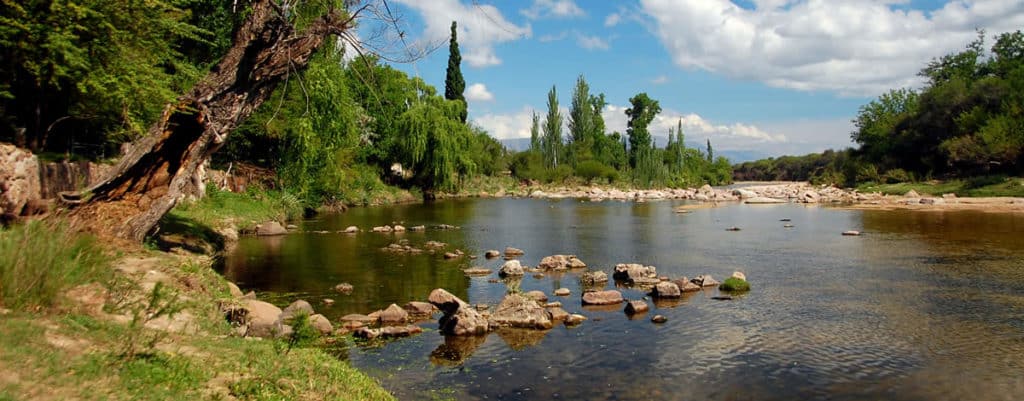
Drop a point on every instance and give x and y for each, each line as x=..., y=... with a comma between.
x=659, y=319
x=911, y=194
x=562, y=292
x=636, y=306
x=321, y=324
x=512, y=268
x=558, y=314
x=685, y=285
x=271, y=228
x=634, y=272
x=809, y=197
x=393, y=314
x=19, y=178
x=417, y=308
x=459, y=318
x=576, y=263
x=608, y=297
x=554, y=262
x=351, y=230
x=399, y=331
x=344, y=288
x=666, y=289
x=510, y=251
x=520, y=312
x=537, y=295
x=296, y=308
x=491, y=254
x=261, y=319
x=739, y=275
x=327, y=301
x=574, y=319
x=705, y=280
x=593, y=278
x=555, y=304
x=358, y=318
x=744, y=193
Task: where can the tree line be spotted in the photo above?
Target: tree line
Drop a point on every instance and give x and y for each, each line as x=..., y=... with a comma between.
x=966, y=121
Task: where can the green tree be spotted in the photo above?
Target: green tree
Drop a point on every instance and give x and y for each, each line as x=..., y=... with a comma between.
x=642, y=111
x=711, y=152
x=454, y=84
x=535, y=144
x=551, y=144
x=581, y=122
x=435, y=143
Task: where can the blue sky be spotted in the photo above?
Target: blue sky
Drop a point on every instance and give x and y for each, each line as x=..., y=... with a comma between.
x=770, y=77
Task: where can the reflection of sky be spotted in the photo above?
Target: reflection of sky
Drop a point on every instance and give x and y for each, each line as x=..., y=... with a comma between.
x=923, y=306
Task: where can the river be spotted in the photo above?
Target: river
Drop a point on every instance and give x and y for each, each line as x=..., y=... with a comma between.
x=922, y=306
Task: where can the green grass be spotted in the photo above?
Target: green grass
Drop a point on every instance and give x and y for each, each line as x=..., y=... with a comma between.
x=975, y=187
x=40, y=259
x=734, y=284
x=247, y=209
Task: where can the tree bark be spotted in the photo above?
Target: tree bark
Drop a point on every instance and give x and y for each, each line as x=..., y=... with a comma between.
x=166, y=165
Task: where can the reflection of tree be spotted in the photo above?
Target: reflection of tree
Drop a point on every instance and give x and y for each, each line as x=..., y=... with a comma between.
x=519, y=339
x=455, y=350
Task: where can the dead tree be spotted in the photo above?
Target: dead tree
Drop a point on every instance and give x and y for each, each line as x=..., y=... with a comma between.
x=163, y=167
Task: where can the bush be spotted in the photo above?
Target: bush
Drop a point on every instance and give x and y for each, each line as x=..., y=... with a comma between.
x=734, y=284
x=984, y=181
x=591, y=170
x=40, y=259
x=896, y=176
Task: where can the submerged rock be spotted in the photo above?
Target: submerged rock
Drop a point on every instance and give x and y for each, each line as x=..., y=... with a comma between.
x=608, y=297
x=521, y=312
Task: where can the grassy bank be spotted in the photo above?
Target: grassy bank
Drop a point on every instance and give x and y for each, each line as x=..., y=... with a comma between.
x=99, y=323
x=976, y=187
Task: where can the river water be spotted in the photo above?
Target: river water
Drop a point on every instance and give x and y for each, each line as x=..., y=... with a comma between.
x=922, y=306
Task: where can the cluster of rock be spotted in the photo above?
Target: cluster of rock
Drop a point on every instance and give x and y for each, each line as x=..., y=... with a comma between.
x=776, y=193
x=513, y=267
x=255, y=318
x=636, y=274
x=522, y=311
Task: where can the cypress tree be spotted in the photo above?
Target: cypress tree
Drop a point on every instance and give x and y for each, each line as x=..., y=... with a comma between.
x=454, y=84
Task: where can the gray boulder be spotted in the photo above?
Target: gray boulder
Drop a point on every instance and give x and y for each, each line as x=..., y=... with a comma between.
x=666, y=289
x=520, y=312
x=608, y=297
x=271, y=228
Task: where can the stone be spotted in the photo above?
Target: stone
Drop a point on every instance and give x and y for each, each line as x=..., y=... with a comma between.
x=744, y=193
x=294, y=309
x=558, y=314
x=734, y=228
x=555, y=304
x=562, y=292
x=451, y=255
x=510, y=251
x=418, y=228
x=576, y=263
x=351, y=230
x=399, y=229
x=537, y=295
x=291, y=227
x=521, y=312
x=327, y=301
x=321, y=324
x=393, y=314
x=417, y=308
x=344, y=288
x=512, y=268
x=949, y=196
x=19, y=178
x=927, y=201
x=492, y=254
x=666, y=289
x=270, y=228
x=554, y=262
x=636, y=306
x=574, y=319
x=608, y=297
x=685, y=285
x=851, y=233
x=459, y=318
x=355, y=317
x=260, y=318
x=399, y=331
x=476, y=271
x=633, y=271
x=705, y=280
x=809, y=197
x=762, y=200
x=592, y=278
x=911, y=194
x=352, y=325
x=659, y=319
x=739, y=275
x=366, y=332
x=787, y=225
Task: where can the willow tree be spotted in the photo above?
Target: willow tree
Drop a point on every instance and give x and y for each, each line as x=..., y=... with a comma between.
x=166, y=166
x=435, y=143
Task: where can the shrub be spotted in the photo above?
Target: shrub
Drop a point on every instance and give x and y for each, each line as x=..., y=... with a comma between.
x=40, y=259
x=734, y=284
x=896, y=176
x=591, y=170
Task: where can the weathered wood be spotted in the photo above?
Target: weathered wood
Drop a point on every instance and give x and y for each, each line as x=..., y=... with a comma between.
x=166, y=166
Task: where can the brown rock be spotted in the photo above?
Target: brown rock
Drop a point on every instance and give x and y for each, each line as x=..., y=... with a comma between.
x=685, y=285
x=321, y=324
x=562, y=292
x=666, y=289
x=418, y=308
x=344, y=288
x=261, y=319
x=510, y=251
x=355, y=317
x=538, y=296
x=574, y=319
x=636, y=306
x=558, y=314
x=609, y=297
x=271, y=228
x=521, y=312
x=659, y=319
x=491, y=254
x=705, y=280
x=459, y=318
x=476, y=271
x=393, y=314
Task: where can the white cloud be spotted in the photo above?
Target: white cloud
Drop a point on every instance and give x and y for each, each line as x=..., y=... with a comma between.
x=612, y=19
x=554, y=37
x=853, y=47
x=697, y=129
x=660, y=80
x=479, y=92
x=480, y=28
x=591, y=42
x=553, y=8
x=507, y=126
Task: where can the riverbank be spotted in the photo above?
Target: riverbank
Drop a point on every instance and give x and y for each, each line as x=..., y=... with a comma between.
x=150, y=325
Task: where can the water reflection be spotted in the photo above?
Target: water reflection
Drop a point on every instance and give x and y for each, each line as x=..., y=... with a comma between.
x=923, y=306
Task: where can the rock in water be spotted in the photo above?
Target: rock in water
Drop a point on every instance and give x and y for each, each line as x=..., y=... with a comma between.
x=344, y=288
x=666, y=289
x=852, y=233
x=685, y=285
x=459, y=318
x=562, y=292
x=637, y=306
x=271, y=228
x=351, y=230
x=296, y=308
x=609, y=297
x=536, y=295
x=511, y=268
x=394, y=314
x=321, y=324
x=705, y=280
x=574, y=319
x=521, y=312
x=510, y=251
x=634, y=272
x=491, y=254
x=592, y=278
x=419, y=309
x=739, y=275
x=659, y=319
x=558, y=314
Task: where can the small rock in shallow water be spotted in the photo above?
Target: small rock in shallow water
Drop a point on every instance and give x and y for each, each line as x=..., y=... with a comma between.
x=327, y=301
x=722, y=298
x=562, y=292
x=344, y=288
x=574, y=319
x=851, y=233
x=491, y=254
x=634, y=307
x=659, y=319
x=732, y=229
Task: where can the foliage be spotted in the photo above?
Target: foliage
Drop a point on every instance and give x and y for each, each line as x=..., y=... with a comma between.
x=592, y=170
x=253, y=206
x=454, y=83
x=41, y=259
x=435, y=143
x=734, y=284
x=551, y=143
x=642, y=111
x=139, y=341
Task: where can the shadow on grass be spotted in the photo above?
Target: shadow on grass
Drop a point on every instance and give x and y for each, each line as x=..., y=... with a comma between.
x=181, y=232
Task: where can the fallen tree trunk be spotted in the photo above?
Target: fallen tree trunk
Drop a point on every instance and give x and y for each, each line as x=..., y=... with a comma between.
x=166, y=165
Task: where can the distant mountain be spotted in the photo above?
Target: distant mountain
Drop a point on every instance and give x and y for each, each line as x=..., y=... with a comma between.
x=734, y=156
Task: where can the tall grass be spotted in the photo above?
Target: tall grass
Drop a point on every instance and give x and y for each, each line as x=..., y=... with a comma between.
x=254, y=205
x=40, y=259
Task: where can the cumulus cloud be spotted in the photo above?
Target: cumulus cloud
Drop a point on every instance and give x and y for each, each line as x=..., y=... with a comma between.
x=507, y=126
x=553, y=37
x=479, y=92
x=553, y=8
x=612, y=19
x=852, y=47
x=480, y=28
x=591, y=42
x=697, y=128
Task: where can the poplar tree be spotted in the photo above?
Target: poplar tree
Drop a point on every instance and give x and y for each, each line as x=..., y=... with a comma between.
x=454, y=83
x=552, y=142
